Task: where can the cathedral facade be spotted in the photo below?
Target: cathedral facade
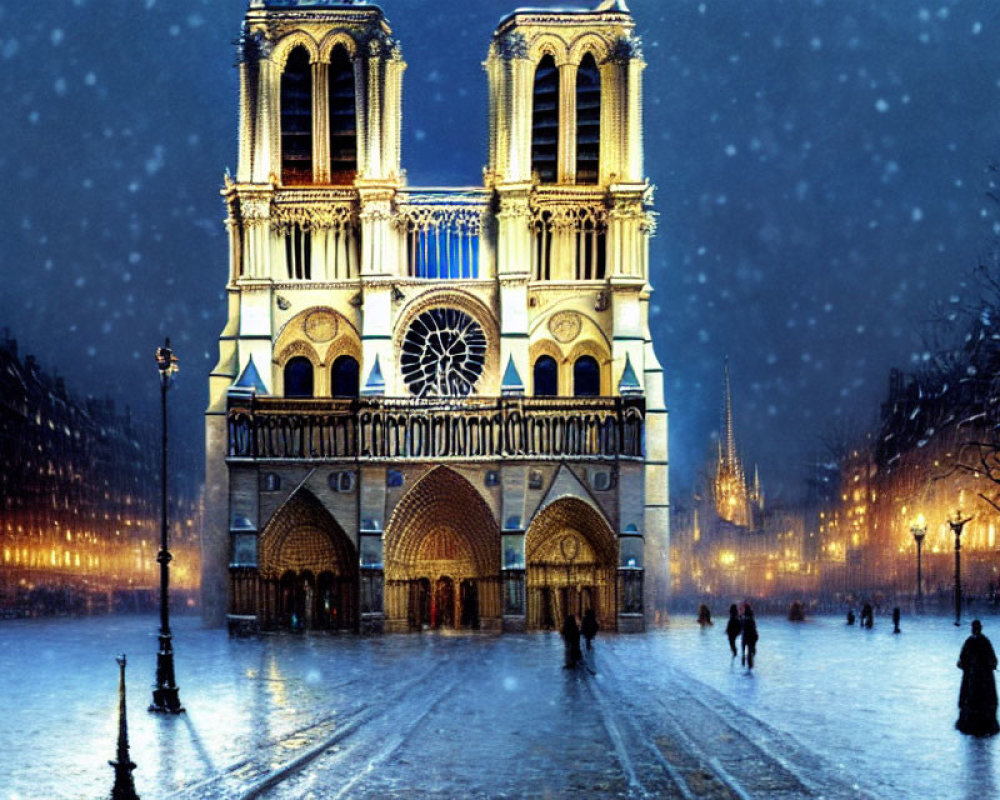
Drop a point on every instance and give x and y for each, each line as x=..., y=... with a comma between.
x=436, y=408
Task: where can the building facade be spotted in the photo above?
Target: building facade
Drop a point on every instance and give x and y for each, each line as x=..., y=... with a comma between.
x=436, y=407
x=79, y=504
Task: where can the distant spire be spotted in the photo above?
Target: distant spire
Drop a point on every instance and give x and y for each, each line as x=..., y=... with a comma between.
x=728, y=434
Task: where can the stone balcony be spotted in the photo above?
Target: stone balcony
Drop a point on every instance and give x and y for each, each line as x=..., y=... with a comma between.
x=372, y=429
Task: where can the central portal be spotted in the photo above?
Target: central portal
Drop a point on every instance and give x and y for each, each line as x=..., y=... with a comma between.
x=442, y=548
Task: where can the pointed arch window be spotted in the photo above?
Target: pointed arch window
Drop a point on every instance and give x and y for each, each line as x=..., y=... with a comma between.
x=343, y=118
x=345, y=377
x=546, y=377
x=545, y=120
x=586, y=377
x=299, y=377
x=588, y=121
x=296, y=119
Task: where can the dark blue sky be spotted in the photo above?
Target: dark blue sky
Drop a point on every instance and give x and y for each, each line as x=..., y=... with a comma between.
x=821, y=174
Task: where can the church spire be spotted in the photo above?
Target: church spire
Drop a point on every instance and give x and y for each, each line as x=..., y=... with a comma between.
x=728, y=434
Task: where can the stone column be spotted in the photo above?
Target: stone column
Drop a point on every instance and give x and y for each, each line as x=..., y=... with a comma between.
x=361, y=110
x=566, y=170
x=268, y=124
x=321, y=122
x=373, y=168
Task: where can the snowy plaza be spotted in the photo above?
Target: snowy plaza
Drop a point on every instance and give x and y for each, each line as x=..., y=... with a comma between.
x=829, y=711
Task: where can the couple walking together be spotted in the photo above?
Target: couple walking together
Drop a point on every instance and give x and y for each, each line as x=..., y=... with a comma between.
x=747, y=626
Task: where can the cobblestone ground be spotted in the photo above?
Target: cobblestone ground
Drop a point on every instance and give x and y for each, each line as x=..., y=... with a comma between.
x=473, y=716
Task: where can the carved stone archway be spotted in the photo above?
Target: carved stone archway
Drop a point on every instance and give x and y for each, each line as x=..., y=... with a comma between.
x=308, y=569
x=571, y=557
x=441, y=534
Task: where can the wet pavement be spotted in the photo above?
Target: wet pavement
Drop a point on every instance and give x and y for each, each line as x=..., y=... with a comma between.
x=828, y=711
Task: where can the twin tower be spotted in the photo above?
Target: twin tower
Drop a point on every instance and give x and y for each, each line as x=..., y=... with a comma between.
x=440, y=407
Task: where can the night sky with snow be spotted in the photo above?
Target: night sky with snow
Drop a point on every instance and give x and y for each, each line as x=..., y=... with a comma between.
x=821, y=172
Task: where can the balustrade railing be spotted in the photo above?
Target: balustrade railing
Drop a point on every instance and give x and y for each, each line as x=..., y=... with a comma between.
x=403, y=428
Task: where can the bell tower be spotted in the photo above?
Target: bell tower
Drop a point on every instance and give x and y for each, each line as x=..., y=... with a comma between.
x=575, y=213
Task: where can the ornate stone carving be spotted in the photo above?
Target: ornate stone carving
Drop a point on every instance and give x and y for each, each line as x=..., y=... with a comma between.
x=625, y=49
x=320, y=326
x=512, y=45
x=282, y=302
x=565, y=326
x=311, y=217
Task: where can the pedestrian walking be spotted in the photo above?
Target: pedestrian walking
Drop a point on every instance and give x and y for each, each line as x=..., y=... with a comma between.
x=867, y=616
x=895, y=619
x=850, y=616
x=734, y=627
x=589, y=627
x=704, y=615
x=977, y=699
x=749, y=637
x=571, y=642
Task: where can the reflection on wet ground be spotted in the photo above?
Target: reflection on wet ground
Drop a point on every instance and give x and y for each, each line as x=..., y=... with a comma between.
x=828, y=711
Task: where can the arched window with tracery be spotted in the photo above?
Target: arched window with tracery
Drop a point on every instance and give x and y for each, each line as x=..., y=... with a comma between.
x=586, y=377
x=299, y=377
x=546, y=377
x=345, y=377
x=296, y=119
x=588, y=121
x=545, y=121
x=343, y=118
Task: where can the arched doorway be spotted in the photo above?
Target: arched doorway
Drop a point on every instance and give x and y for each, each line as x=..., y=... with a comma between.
x=442, y=557
x=571, y=559
x=308, y=570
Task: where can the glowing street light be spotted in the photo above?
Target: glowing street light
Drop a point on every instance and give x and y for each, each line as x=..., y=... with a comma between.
x=956, y=523
x=919, y=530
x=165, y=693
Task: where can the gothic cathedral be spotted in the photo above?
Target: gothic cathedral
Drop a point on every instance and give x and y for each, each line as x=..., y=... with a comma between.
x=440, y=407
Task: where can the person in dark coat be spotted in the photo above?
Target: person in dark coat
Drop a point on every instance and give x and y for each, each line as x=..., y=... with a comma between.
x=571, y=642
x=977, y=699
x=850, y=616
x=867, y=616
x=749, y=637
x=895, y=619
x=704, y=615
x=734, y=627
x=589, y=627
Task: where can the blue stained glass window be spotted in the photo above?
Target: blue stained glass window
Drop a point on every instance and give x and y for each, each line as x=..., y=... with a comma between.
x=445, y=254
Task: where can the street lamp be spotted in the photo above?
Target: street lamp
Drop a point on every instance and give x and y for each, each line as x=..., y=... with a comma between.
x=956, y=523
x=165, y=698
x=919, y=530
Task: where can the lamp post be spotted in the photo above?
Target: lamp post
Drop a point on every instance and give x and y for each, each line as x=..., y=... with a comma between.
x=165, y=698
x=919, y=530
x=956, y=524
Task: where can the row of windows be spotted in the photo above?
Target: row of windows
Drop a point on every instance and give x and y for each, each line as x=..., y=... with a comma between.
x=345, y=377
x=297, y=120
x=586, y=377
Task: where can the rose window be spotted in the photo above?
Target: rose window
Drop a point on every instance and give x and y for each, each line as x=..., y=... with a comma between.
x=443, y=355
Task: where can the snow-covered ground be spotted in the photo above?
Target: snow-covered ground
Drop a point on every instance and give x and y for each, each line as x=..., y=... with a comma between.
x=828, y=711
